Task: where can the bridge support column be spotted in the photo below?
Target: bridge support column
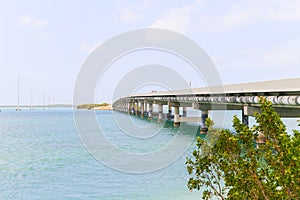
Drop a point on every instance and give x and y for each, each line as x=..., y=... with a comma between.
x=128, y=107
x=169, y=114
x=204, y=116
x=261, y=140
x=245, y=115
x=150, y=107
x=176, y=117
x=136, y=108
x=142, y=109
x=183, y=111
x=132, y=106
x=160, y=112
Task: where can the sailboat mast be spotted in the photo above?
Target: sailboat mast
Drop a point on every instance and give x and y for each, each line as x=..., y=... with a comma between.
x=43, y=101
x=31, y=106
x=18, y=93
x=18, y=108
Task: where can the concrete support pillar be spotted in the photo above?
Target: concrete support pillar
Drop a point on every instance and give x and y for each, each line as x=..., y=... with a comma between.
x=246, y=120
x=204, y=116
x=169, y=114
x=142, y=109
x=160, y=112
x=128, y=108
x=176, y=117
x=132, y=108
x=150, y=108
x=136, y=110
x=261, y=140
x=183, y=111
x=245, y=116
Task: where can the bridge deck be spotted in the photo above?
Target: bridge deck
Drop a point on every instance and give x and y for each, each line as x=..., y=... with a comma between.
x=276, y=87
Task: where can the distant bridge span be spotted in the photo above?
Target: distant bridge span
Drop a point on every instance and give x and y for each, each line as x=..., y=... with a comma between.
x=284, y=94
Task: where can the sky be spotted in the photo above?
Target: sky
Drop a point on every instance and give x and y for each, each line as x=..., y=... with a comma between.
x=45, y=43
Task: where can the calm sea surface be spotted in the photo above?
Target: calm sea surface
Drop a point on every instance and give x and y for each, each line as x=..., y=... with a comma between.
x=42, y=157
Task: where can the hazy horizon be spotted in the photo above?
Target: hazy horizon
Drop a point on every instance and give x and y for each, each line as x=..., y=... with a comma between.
x=45, y=43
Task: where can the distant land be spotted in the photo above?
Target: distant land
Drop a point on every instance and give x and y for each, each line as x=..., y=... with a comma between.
x=37, y=106
x=103, y=106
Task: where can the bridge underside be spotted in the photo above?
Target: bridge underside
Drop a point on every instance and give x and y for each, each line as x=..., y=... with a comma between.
x=286, y=106
x=283, y=94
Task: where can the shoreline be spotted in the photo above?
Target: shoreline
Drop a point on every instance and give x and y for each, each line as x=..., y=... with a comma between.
x=109, y=107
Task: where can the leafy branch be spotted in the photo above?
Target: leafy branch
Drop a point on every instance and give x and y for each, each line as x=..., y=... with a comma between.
x=238, y=166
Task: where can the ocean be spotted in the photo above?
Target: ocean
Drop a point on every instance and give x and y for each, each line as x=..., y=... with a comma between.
x=42, y=156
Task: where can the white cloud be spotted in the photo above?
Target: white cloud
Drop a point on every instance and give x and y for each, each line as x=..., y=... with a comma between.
x=282, y=10
x=285, y=55
x=145, y=6
x=177, y=19
x=136, y=13
x=252, y=12
x=89, y=47
x=226, y=22
x=280, y=56
x=30, y=21
x=241, y=13
x=127, y=15
x=25, y=20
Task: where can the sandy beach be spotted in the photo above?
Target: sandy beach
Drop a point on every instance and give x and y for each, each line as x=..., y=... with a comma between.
x=109, y=107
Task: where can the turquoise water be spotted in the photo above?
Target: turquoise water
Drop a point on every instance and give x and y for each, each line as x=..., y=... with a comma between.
x=42, y=157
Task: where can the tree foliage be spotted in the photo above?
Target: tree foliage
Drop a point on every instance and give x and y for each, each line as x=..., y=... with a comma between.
x=235, y=166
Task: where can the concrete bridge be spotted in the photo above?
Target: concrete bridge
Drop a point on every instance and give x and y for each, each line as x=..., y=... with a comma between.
x=284, y=94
